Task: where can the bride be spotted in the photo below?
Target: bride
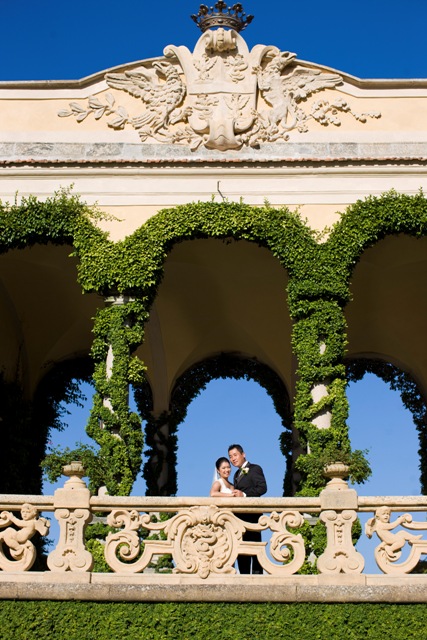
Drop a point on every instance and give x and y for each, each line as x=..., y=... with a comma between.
x=221, y=487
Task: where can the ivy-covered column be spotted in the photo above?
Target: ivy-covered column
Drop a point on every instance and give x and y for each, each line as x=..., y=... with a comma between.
x=118, y=331
x=321, y=406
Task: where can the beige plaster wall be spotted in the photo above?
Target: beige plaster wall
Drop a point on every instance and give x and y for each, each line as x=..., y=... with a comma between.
x=320, y=172
x=132, y=196
x=35, y=110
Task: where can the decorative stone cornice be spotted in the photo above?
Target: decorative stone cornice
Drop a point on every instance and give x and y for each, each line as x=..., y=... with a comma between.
x=291, y=152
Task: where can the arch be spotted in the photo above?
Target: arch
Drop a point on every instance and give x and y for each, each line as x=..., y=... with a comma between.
x=388, y=311
x=47, y=320
x=362, y=226
x=142, y=254
x=321, y=325
x=216, y=296
x=319, y=335
x=187, y=387
x=138, y=272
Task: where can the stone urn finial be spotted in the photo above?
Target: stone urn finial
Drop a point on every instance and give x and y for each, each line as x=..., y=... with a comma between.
x=338, y=472
x=75, y=472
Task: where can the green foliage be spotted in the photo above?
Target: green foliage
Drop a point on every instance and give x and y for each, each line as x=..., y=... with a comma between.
x=314, y=466
x=116, y=430
x=318, y=290
x=364, y=224
x=96, y=548
x=198, y=621
x=93, y=463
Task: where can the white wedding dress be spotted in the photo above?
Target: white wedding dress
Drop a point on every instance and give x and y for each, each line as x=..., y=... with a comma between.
x=224, y=488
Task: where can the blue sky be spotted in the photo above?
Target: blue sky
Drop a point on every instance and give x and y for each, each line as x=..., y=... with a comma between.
x=376, y=39
x=59, y=40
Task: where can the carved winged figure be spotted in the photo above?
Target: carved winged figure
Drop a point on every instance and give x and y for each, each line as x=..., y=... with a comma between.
x=284, y=92
x=18, y=542
x=161, y=98
x=391, y=543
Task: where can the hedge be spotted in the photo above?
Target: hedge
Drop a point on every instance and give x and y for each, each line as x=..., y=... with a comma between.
x=24, y=620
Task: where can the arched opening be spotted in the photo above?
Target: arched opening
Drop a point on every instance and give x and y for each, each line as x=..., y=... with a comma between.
x=379, y=422
x=226, y=412
x=217, y=296
x=47, y=327
x=386, y=324
x=46, y=317
x=382, y=425
x=388, y=312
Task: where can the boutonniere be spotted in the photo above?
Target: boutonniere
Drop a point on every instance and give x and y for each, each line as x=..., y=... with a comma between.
x=244, y=471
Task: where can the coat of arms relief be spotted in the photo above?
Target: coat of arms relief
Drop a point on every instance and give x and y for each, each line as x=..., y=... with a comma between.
x=222, y=96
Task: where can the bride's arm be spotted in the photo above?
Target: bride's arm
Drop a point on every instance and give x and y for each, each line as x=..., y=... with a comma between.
x=216, y=491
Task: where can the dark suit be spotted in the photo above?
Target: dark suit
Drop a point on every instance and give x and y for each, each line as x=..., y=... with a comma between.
x=253, y=484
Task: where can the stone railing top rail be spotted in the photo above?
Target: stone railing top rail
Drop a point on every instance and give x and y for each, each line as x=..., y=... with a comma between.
x=10, y=499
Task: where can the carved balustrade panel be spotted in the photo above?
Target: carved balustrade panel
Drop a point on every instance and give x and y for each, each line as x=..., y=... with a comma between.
x=204, y=540
x=340, y=554
x=73, y=512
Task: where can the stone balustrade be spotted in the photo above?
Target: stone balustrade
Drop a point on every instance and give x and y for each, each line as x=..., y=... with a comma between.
x=203, y=537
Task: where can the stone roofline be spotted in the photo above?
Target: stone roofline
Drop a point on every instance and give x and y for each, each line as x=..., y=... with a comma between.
x=98, y=76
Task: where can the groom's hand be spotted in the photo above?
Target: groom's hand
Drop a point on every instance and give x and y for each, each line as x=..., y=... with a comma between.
x=238, y=494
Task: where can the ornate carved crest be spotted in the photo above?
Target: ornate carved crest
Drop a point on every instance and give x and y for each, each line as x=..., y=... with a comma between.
x=221, y=96
x=204, y=540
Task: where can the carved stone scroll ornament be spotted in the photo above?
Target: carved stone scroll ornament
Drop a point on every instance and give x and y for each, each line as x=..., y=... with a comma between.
x=17, y=541
x=340, y=555
x=212, y=97
x=124, y=551
x=286, y=547
x=203, y=540
x=390, y=550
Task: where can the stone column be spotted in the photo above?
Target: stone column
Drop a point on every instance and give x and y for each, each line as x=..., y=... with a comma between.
x=113, y=301
x=318, y=392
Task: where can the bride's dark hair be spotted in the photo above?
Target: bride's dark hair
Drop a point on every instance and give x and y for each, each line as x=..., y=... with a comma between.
x=219, y=462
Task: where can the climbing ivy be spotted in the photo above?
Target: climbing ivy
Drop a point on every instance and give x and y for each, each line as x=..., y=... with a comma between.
x=129, y=273
x=320, y=320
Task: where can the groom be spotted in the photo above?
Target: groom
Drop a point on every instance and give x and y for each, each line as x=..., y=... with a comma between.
x=249, y=481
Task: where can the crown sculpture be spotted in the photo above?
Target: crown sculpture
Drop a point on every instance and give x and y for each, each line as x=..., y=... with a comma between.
x=225, y=17
x=221, y=96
